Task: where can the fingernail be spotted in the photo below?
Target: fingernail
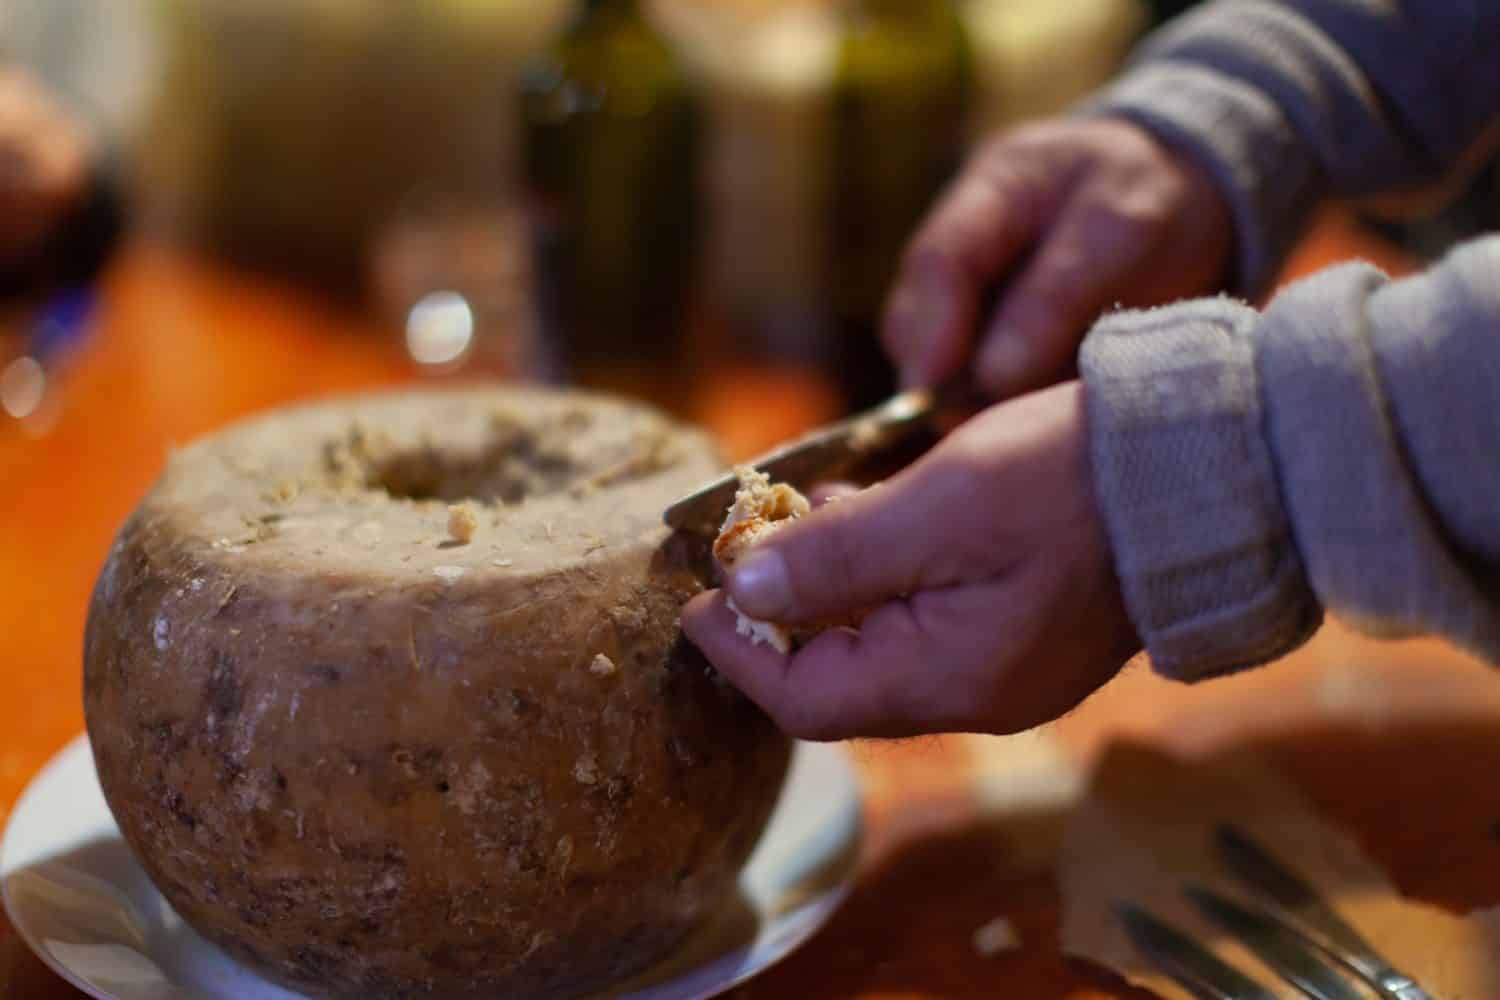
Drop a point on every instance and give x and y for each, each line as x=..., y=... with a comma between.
x=761, y=585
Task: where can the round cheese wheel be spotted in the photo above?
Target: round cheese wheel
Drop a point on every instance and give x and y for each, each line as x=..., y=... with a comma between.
x=390, y=699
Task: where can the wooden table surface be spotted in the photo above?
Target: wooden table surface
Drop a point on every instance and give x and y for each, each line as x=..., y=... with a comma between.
x=1399, y=742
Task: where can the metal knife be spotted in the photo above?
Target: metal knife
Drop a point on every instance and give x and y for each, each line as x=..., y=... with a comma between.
x=816, y=456
x=835, y=449
x=1188, y=963
x=1259, y=871
x=1286, y=952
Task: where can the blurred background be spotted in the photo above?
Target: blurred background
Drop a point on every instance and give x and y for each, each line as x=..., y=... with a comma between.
x=597, y=191
x=615, y=193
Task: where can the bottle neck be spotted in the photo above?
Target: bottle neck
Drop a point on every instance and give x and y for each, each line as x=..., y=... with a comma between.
x=591, y=15
x=891, y=6
x=589, y=8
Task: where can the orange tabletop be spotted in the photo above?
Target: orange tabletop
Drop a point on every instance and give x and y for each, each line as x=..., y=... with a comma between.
x=181, y=347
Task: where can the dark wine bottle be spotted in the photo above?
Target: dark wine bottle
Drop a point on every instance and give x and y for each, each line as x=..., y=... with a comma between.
x=1165, y=10
x=612, y=128
x=900, y=105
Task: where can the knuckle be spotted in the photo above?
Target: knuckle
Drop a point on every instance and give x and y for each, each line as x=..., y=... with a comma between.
x=1125, y=143
x=979, y=214
x=1124, y=224
x=1030, y=136
x=1134, y=221
x=1017, y=184
x=1003, y=144
x=1060, y=275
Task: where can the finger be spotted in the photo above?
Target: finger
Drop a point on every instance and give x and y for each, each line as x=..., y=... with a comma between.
x=979, y=228
x=869, y=547
x=1083, y=267
x=808, y=704
x=911, y=668
x=830, y=689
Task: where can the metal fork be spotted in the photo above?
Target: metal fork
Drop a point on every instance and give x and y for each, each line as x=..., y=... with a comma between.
x=1312, y=919
x=1308, y=947
x=1274, y=943
x=1207, y=977
x=1185, y=961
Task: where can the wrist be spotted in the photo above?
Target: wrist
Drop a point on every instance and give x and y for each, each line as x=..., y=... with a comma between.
x=1240, y=142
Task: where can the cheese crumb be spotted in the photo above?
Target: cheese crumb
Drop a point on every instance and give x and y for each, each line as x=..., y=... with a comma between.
x=284, y=492
x=759, y=509
x=586, y=771
x=757, y=631
x=463, y=521
x=447, y=573
x=996, y=937
x=602, y=666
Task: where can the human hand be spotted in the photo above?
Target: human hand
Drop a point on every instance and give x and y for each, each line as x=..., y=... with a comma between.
x=1066, y=219
x=991, y=597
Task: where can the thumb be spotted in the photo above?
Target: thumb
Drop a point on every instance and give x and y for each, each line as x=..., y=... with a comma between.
x=847, y=556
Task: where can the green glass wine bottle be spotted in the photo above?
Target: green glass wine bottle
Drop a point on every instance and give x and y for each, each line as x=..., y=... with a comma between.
x=900, y=108
x=612, y=129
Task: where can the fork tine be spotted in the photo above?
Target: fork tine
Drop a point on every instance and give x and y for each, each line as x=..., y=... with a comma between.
x=1185, y=961
x=1285, y=951
x=1314, y=919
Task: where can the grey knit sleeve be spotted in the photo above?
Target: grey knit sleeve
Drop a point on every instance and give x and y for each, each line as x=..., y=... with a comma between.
x=1339, y=451
x=1287, y=101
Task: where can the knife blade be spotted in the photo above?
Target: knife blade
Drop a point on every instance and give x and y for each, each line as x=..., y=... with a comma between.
x=1253, y=866
x=1189, y=964
x=814, y=457
x=1284, y=951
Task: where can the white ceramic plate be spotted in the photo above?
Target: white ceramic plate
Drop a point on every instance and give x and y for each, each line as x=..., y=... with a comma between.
x=76, y=894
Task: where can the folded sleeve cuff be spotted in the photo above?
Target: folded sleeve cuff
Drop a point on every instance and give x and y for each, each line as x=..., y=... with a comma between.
x=1202, y=545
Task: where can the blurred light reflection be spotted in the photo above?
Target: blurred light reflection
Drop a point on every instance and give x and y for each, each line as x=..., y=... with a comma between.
x=439, y=329
x=23, y=386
